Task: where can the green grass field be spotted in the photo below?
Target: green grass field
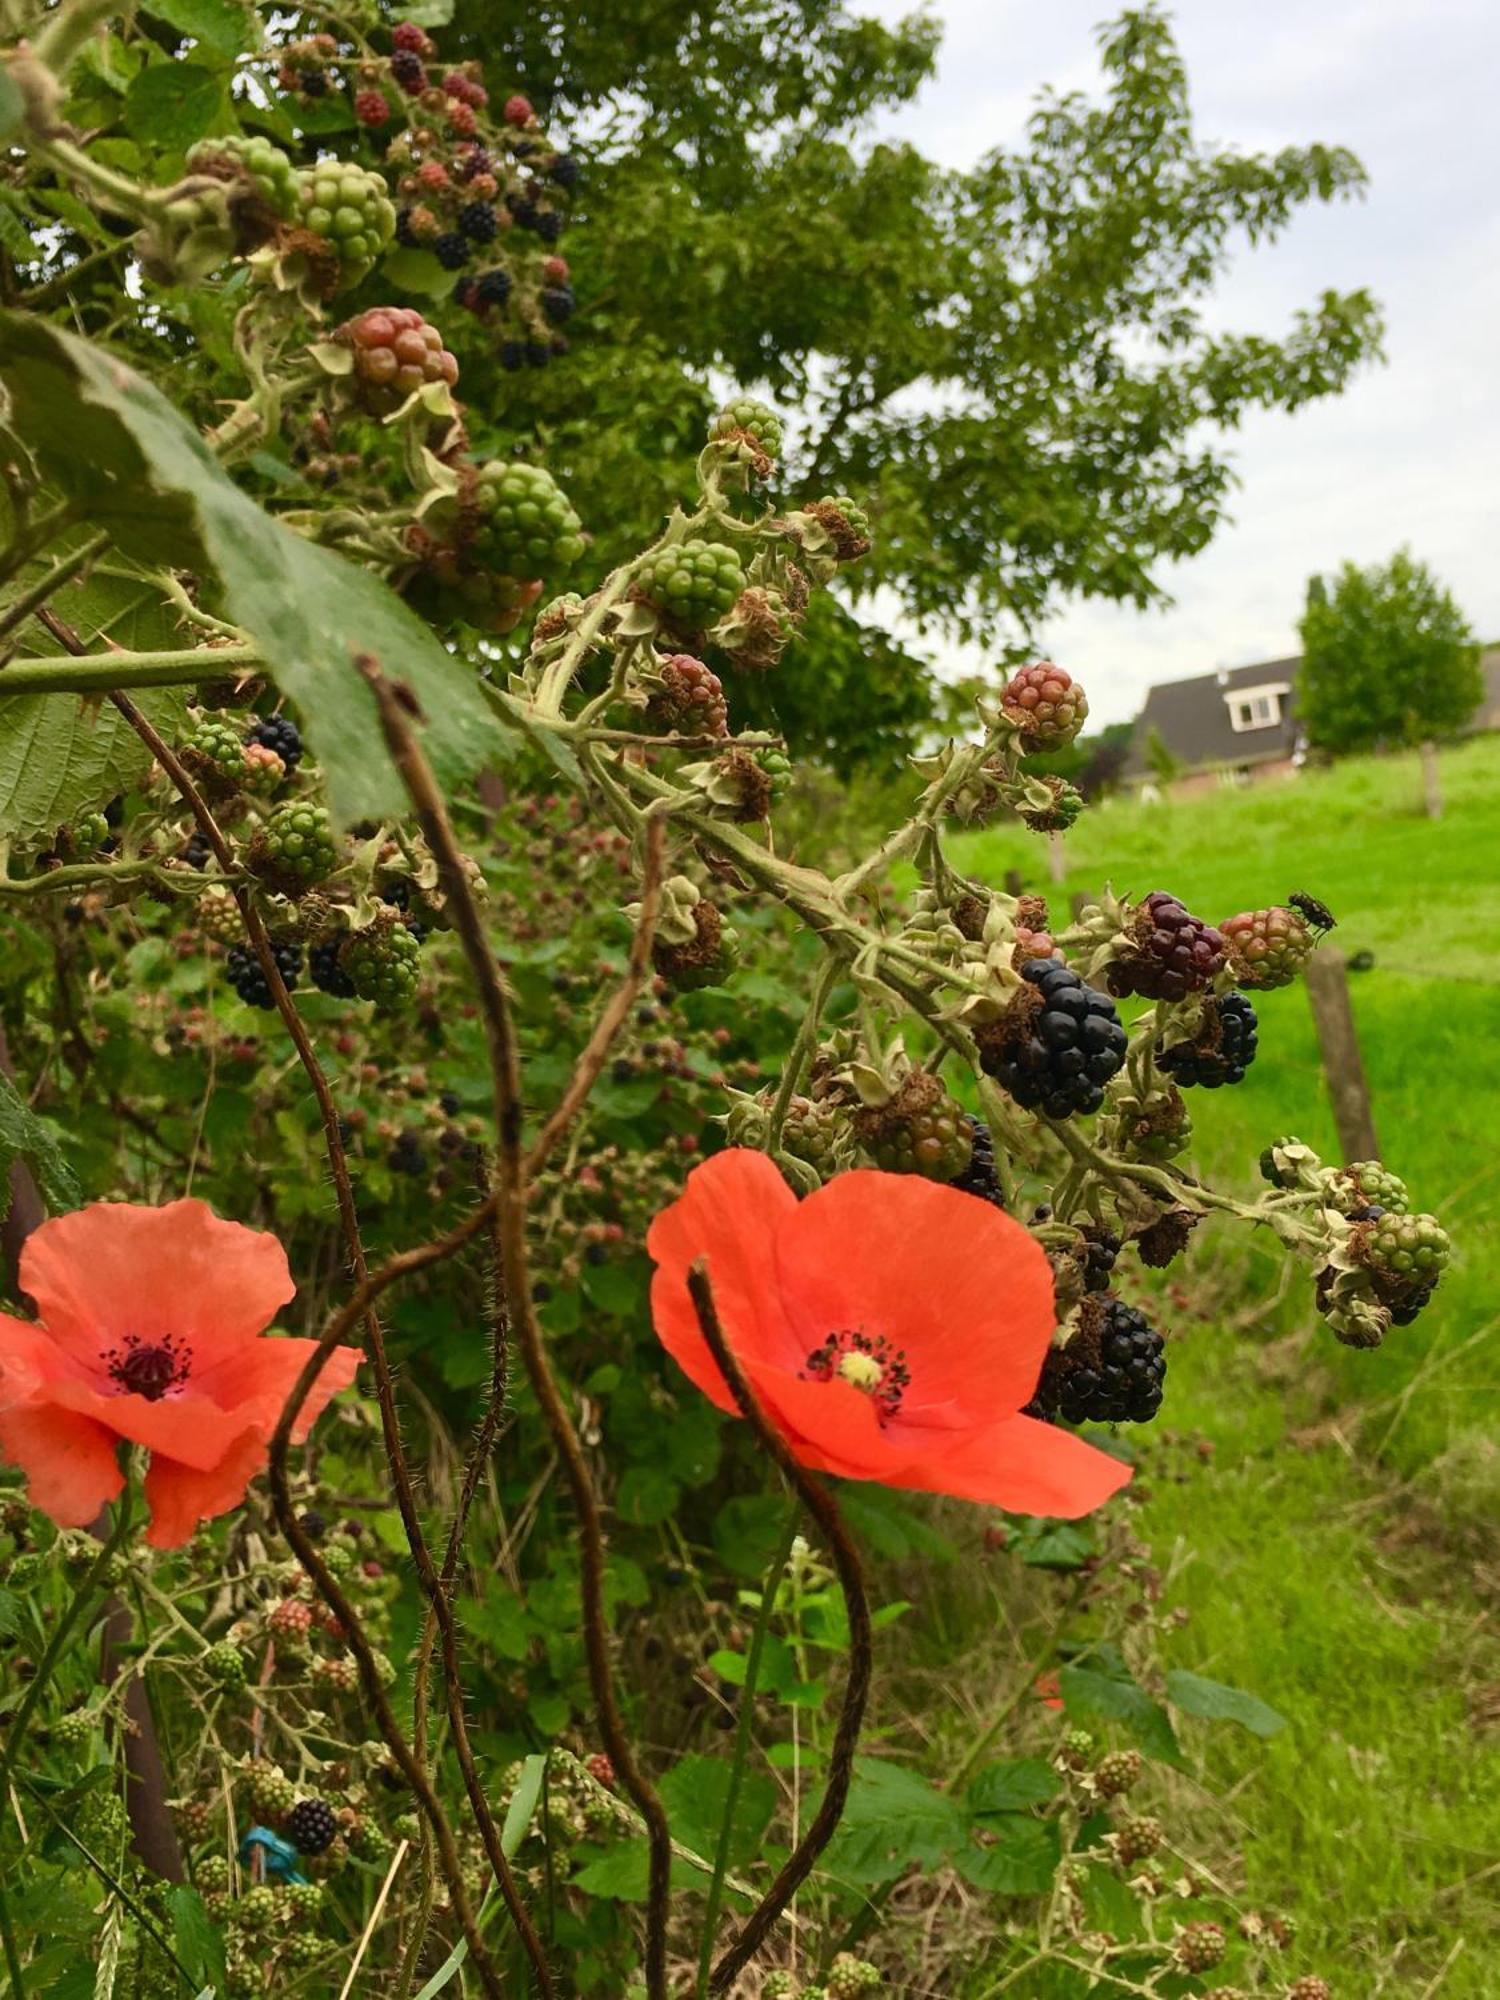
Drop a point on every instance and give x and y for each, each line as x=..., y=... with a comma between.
x=1341, y=1557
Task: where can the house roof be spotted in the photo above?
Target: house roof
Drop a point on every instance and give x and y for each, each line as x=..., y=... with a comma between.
x=1193, y=718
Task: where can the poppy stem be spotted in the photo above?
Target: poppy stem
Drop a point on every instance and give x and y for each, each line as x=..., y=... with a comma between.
x=821, y=1504
x=744, y=1725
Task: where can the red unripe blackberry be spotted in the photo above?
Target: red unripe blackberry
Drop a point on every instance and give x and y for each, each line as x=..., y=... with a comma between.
x=371, y=108
x=1139, y=1837
x=922, y=1130
x=1199, y=1947
x=434, y=177
x=1118, y=1772
x=517, y=110
x=461, y=118
x=1309, y=1987
x=311, y=1826
x=689, y=698
x=407, y=35
x=1057, y=1045
x=1111, y=1372
x=1173, y=953
x=1267, y=948
x=1046, y=705
x=290, y=1618
x=600, y=1769
x=1223, y=1049
x=556, y=270
x=396, y=352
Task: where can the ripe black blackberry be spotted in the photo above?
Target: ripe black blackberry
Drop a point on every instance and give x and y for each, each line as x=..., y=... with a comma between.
x=408, y=70
x=478, y=222
x=523, y=210
x=979, y=1177
x=1097, y=1252
x=564, y=170
x=512, y=355
x=281, y=734
x=549, y=225
x=197, y=853
x=250, y=983
x=1111, y=1372
x=1222, y=1051
x=558, y=303
x=538, y=353
x=313, y=82
x=1057, y=1045
x=451, y=250
x=492, y=288
x=311, y=1826
x=328, y=975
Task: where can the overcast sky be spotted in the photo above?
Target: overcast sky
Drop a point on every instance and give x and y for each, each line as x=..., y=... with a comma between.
x=1411, y=453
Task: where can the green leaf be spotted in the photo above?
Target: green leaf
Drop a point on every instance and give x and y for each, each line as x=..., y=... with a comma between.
x=172, y=104
x=1214, y=1702
x=224, y=26
x=197, y=1939
x=144, y=474
x=1011, y=1786
x=646, y=1495
x=621, y=1873
x=893, y=1818
x=1021, y=1860
x=418, y=271
x=24, y=1136
x=429, y=13
x=12, y=105
x=747, y=1533
x=695, y=1792
x=523, y=1804
x=1091, y=1693
x=62, y=754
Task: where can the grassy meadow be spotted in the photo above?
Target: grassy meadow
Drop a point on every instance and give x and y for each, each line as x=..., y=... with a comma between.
x=1340, y=1554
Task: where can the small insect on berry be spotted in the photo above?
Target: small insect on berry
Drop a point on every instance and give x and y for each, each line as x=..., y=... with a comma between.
x=1317, y=914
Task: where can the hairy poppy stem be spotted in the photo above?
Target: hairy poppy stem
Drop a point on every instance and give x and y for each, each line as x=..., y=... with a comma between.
x=744, y=1724
x=821, y=1504
x=416, y=774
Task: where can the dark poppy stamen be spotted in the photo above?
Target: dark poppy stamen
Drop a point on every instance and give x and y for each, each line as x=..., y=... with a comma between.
x=148, y=1369
x=866, y=1361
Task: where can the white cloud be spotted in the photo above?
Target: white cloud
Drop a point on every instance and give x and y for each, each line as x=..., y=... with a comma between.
x=1409, y=454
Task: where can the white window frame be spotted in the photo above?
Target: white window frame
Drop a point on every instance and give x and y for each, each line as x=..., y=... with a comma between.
x=1252, y=708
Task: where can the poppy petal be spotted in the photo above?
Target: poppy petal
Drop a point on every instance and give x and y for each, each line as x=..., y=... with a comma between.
x=113, y=1271
x=254, y=1384
x=69, y=1462
x=1024, y=1466
x=727, y=1214
x=963, y=1289
x=180, y=1496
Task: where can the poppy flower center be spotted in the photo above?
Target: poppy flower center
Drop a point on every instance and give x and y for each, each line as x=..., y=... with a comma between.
x=148, y=1369
x=867, y=1362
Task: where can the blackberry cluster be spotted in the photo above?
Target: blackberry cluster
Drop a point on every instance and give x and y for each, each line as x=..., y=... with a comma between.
x=249, y=982
x=922, y=1130
x=688, y=697
x=347, y=205
x=311, y=1826
x=693, y=582
x=1111, y=1372
x=1058, y=1044
x=280, y=734
x=1173, y=953
x=979, y=1177
x=1222, y=1051
x=1047, y=706
x=525, y=522
x=324, y=964
x=1268, y=948
x=396, y=352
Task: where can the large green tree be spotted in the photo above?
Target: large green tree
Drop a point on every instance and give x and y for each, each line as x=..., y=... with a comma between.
x=1016, y=361
x=1389, y=660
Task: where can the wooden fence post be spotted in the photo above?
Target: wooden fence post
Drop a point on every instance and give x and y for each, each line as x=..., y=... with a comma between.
x=1432, y=784
x=1014, y=884
x=1056, y=861
x=1328, y=990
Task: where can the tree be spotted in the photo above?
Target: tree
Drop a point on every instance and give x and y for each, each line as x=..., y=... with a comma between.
x=1017, y=362
x=1389, y=660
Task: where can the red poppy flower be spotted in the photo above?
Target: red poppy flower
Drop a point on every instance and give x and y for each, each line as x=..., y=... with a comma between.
x=892, y=1329
x=148, y=1330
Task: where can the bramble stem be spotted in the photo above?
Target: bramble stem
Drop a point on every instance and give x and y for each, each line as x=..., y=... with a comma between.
x=92, y=672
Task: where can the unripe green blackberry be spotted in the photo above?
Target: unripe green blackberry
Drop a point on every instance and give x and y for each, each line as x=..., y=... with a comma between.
x=847, y=524
x=1267, y=948
x=779, y=1985
x=101, y=1820
x=1138, y=1837
x=268, y=168
x=1117, y=1772
x=24, y=1570
x=74, y=1730
x=1047, y=706
x=922, y=1130
x=211, y=1876
x=752, y=420
x=295, y=848
x=224, y=1665
x=1404, y=1253
x=706, y=959
x=815, y=1133
x=692, y=583
x=257, y=1909
x=349, y=208
x=778, y=769
x=219, y=916
x=85, y=834
x=1367, y=1184
x=214, y=753
x=1060, y=812
x=1077, y=1748
x=271, y=1791
x=383, y=962
x=304, y=1903
x=304, y=1949
x=523, y=523
x=850, y=1977
x=1199, y=1947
